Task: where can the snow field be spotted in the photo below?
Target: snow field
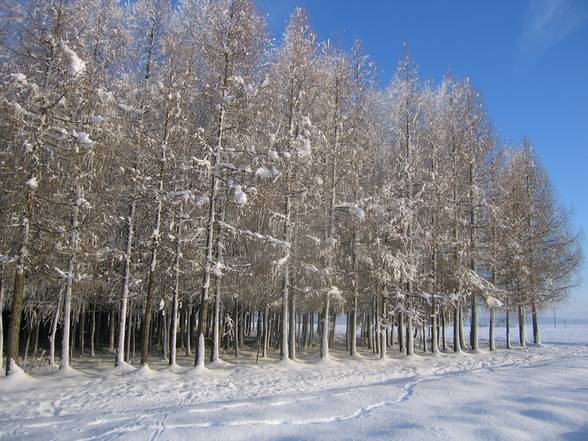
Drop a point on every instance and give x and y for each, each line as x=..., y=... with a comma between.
x=534, y=393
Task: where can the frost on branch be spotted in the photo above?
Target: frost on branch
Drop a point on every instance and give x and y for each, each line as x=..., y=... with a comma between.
x=32, y=183
x=266, y=173
x=302, y=146
x=74, y=63
x=83, y=138
x=240, y=196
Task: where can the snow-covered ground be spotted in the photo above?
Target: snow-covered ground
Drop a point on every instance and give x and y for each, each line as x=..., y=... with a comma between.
x=538, y=393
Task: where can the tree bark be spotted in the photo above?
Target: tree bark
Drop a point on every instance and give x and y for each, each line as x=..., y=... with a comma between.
x=12, y=348
x=434, y=341
x=153, y=260
x=409, y=336
x=93, y=331
x=474, y=325
x=215, y=353
x=325, y=328
x=74, y=236
x=461, y=330
x=353, y=325
x=491, y=336
x=212, y=194
x=128, y=334
x=82, y=328
x=176, y=292
x=522, y=327
x=236, y=326
x=164, y=335
x=383, y=332
x=112, y=324
x=265, y=330
x=536, y=333
x=189, y=330
x=124, y=298
x=443, y=330
x=292, y=327
x=456, y=340
x=401, y=341
x=508, y=343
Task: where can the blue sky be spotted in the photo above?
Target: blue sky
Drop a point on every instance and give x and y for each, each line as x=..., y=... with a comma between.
x=528, y=58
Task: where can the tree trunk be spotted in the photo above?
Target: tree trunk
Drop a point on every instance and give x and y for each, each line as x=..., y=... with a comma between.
x=536, y=333
x=82, y=328
x=353, y=325
x=508, y=343
x=311, y=338
x=461, y=331
x=12, y=348
x=124, y=298
x=73, y=333
x=134, y=321
x=409, y=336
x=236, y=326
x=189, y=330
x=65, y=353
x=401, y=332
x=164, y=335
x=284, y=349
x=434, y=341
x=325, y=328
x=456, y=340
x=491, y=336
x=148, y=311
x=443, y=329
x=93, y=331
x=176, y=292
x=474, y=307
x=128, y=334
x=424, y=336
x=215, y=353
x=112, y=324
x=74, y=236
x=522, y=327
x=36, y=336
x=212, y=195
x=383, y=332
x=378, y=328
x=474, y=325
x=265, y=330
x=292, y=327
x=153, y=260
x=29, y=328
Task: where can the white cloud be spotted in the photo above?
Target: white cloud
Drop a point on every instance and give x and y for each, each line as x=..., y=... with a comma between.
x=546, y=24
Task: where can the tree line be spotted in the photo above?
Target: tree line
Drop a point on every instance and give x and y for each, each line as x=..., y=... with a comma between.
x=173, y=178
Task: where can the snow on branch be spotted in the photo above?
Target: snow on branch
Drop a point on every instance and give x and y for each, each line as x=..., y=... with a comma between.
x=6, y=259
x=69, y=276
x=75, y=64
x=264, y=237
x=473, y=282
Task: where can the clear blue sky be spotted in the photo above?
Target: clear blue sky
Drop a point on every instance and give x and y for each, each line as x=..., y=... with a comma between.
x=528, y=58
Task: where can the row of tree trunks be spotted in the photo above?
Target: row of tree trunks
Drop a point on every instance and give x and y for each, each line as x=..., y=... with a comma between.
x=267, y=324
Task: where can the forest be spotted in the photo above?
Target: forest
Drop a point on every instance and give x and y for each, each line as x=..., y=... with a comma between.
x=175, y=181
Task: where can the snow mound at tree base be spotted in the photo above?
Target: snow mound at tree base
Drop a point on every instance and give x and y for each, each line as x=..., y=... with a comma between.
x=16, y=379
x=219, y=364
x=141, y=372
x=68, y=371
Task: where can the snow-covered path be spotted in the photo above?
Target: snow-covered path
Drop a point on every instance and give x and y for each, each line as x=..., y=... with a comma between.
x=537, y=393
